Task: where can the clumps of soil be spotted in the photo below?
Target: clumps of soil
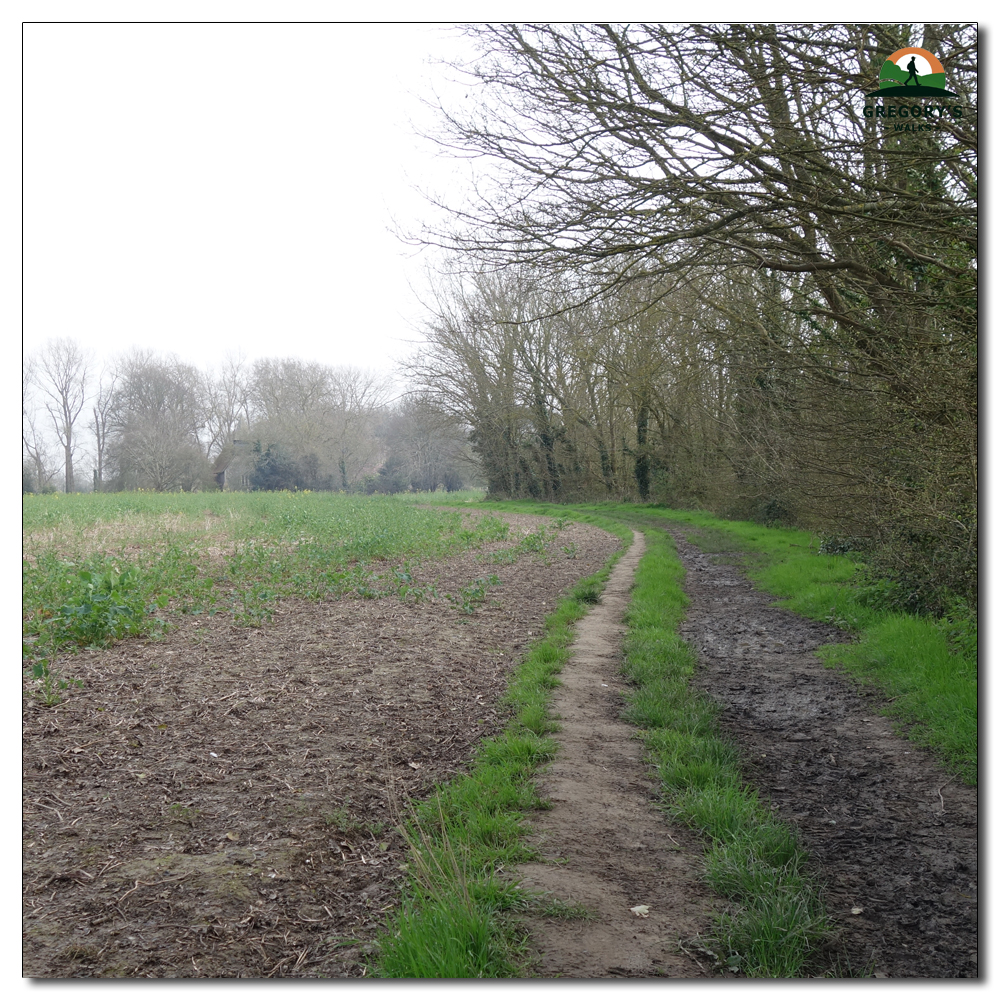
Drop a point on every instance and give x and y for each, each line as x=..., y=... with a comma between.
x=222, y=802
x=892, y=837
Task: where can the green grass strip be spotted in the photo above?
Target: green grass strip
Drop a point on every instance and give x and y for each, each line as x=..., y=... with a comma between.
x=457, y=918
x=776, y=920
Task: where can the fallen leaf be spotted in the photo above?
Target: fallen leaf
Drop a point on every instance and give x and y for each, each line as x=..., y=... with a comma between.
x=639, y=911
x=857, y=909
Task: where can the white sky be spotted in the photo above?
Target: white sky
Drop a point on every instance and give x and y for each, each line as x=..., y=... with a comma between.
x=210, y=188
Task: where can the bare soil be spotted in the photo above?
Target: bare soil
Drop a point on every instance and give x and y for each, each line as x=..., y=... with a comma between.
x=892, y=837
x=219, y=803
x=609, y=848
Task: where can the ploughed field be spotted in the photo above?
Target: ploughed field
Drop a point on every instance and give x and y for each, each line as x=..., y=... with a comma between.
x=214, y=793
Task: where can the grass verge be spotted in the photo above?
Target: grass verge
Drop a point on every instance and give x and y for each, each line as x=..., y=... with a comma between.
x=776, y=920
x=457, y=915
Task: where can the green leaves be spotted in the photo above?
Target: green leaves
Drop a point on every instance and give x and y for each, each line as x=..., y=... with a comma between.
x=108, y=606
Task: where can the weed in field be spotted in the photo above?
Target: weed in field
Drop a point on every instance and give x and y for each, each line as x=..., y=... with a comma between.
x=491, y=529
x=474, y=594
x=181, y=813
x=536, y=541
x=48, y=684
x=109, y=606
x=504, y=556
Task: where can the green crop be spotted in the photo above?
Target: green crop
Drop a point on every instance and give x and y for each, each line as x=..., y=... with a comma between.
x=101, y=566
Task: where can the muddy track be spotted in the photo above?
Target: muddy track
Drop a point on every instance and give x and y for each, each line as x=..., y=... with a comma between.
x=608, y=847
x=891, y=836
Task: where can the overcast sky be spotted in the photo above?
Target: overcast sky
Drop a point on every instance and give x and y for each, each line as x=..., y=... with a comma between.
x=210, y=188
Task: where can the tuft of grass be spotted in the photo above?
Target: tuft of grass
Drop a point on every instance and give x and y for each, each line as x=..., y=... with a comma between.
x=454, y=922
x=446, y=937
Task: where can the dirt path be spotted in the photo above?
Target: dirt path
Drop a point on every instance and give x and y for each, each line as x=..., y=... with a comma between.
x=619, y=848
x=888, y=832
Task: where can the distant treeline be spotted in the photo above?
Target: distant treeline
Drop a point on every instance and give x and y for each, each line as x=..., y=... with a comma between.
x=153, y=422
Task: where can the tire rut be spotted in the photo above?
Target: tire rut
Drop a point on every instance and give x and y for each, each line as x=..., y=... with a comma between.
x=891, y=836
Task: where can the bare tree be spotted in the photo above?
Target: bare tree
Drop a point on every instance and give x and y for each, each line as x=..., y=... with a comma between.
x=426, y=448
x=624, y=152
x=61, y=373
x=835, y=254
x=102, y=424
x=648, y=148
x=228, y=399
x=321, y=419
x=159, y=412
x=34, y=448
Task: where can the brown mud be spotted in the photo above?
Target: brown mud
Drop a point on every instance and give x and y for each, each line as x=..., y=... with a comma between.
x=891, y=836
x=608, y=847
x=219, y=803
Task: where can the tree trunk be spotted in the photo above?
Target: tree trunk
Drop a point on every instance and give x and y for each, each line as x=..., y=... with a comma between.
x=68, y=449
x=642, y=450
